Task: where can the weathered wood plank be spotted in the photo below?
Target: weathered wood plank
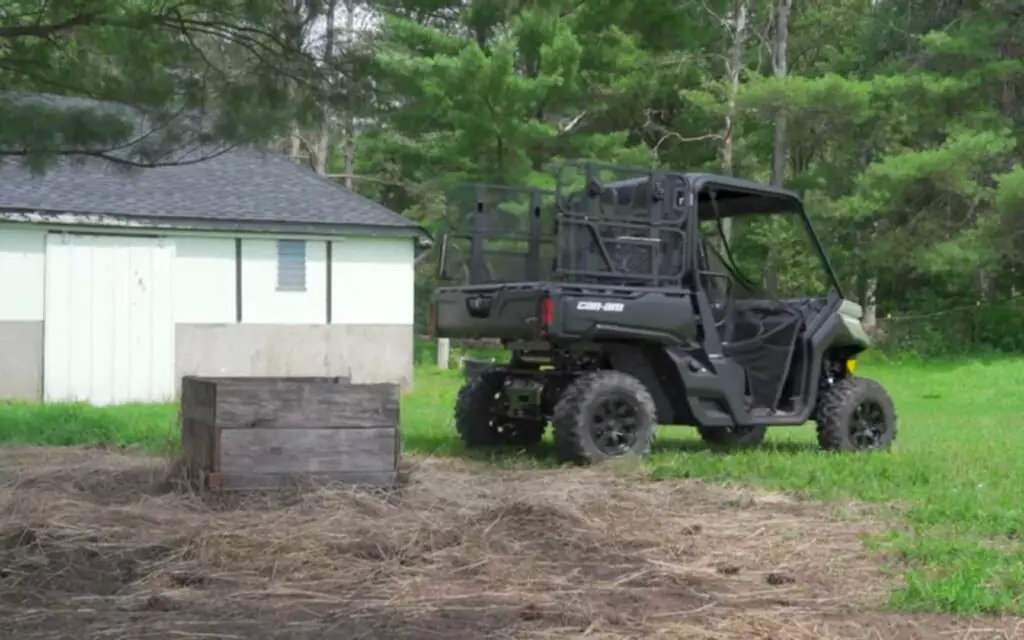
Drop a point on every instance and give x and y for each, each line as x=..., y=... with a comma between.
x=397, y=460
x=290, y=405
x=263, y=450
x=279, y=481
x=198, y=399
x=270, y=433
x=276, y=379
x=198, y=446
x=198, y=437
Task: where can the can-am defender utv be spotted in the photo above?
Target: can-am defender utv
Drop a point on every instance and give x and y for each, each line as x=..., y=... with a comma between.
x=621, y=315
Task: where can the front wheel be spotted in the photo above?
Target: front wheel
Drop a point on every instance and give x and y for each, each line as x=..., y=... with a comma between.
x=856, y=414
x=604, y=415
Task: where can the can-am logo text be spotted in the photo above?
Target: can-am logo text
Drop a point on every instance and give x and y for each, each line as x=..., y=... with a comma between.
x=586, y=305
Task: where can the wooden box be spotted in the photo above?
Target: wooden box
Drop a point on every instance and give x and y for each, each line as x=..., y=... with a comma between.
x=270, y=433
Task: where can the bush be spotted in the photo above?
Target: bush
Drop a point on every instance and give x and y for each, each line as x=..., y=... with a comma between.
x=969, y=330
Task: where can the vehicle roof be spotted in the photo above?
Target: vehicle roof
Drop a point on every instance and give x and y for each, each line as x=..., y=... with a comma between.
x=735, y=196
x=702, y=179
x=699, y=180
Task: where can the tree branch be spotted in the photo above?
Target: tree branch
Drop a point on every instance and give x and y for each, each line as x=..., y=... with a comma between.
x=46, y=30
x=118, y=160
x=680, y=138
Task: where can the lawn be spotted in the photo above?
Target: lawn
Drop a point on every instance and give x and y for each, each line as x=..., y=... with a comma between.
x=955, y=473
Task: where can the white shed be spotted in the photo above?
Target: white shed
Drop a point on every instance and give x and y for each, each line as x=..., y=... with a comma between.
x=113, y=285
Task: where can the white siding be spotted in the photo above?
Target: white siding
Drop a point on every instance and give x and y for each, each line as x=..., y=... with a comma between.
x=22, y=272
x=204, y=280
x=109, y=330
x=262, y=303
x=373, y=281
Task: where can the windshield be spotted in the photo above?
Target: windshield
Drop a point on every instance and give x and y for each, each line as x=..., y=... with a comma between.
x=764, y=245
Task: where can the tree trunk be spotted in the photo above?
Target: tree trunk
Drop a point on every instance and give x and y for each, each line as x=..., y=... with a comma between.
x=350, y=152
x=296, y=143
x=295, y=33
x=780, y=67
x=350, y=112
x=988, y=287
x=323, y=146
x=869, y=303
x=733, y=65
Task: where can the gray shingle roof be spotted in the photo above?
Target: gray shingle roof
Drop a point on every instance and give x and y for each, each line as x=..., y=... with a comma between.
x=239, y=186
x=244, y=187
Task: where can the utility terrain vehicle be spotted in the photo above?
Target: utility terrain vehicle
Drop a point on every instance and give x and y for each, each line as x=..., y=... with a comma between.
x=624, y=305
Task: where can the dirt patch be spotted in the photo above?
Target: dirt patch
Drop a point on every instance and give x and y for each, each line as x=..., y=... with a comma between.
x=93, y=545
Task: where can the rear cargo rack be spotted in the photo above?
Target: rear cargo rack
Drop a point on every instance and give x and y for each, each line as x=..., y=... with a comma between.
x=600, y=225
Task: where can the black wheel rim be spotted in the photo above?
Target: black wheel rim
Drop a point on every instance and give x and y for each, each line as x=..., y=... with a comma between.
x=868, y=425
x=615, y=425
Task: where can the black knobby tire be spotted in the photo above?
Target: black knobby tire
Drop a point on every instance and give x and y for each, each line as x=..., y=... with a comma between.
x=856, y=414
x=604, y=415
x=733, y=438
x=478, y=421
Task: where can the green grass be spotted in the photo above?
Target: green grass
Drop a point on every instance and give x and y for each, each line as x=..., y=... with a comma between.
x=956, y=469
x=152, y=427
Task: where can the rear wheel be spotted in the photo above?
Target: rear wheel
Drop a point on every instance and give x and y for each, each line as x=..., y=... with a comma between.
x=732, y=437
x=856, y=414
x=479, y=416
x=604, y=415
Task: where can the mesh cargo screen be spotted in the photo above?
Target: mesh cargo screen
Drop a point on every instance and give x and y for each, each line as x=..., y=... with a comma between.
x=621, y=227
x=600, y=250
x=613, y=226
x=499, y=234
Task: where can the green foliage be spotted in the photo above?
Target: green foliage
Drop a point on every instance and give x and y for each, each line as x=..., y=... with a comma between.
x=494, y=111
x=977, y=328
x=904, y=124
x=208, y=74
x=905, y=119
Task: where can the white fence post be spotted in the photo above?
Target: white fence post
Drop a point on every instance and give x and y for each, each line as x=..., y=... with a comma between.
x=444, y=350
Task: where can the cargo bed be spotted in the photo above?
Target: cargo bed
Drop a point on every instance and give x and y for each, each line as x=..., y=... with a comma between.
x=531, y=311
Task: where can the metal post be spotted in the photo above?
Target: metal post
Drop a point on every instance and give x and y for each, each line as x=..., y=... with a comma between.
x=444, y=350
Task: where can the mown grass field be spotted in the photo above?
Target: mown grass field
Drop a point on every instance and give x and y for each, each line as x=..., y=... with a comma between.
x=955, y=475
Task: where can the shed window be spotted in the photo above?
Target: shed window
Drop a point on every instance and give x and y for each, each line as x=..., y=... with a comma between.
x=291, y=265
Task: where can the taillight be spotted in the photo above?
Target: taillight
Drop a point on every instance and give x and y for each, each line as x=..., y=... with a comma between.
x=547, y=312
x=432, y=319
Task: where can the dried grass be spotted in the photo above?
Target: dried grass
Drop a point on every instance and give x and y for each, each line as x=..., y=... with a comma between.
x=96, y=544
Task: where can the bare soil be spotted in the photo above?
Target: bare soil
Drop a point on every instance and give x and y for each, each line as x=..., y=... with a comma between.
x=101, y=544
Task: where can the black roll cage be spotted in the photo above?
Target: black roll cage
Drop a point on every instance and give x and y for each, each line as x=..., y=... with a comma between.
x=729, y=197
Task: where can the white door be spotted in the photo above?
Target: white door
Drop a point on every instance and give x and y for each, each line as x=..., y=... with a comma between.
x=109, y=329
